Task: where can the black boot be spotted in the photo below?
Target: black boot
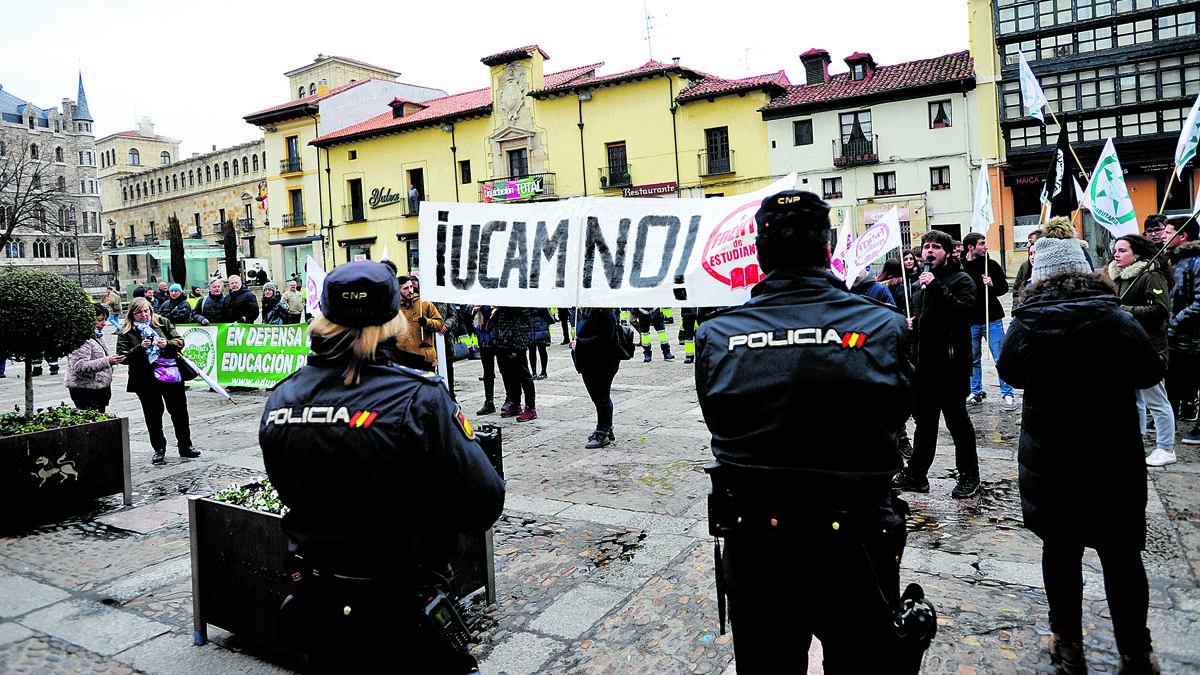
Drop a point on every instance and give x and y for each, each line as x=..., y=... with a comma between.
x=160, y=456
x=189, y=452
x=667, y=355
x=1067, y=656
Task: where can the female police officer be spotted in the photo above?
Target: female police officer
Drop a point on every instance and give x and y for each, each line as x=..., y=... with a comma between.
x=381, y=472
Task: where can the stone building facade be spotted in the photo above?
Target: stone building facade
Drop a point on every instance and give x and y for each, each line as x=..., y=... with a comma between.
x=205, y=192
x=127, y=152
x=65, y=238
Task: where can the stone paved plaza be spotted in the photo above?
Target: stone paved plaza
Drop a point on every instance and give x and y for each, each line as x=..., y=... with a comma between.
x=603, y=562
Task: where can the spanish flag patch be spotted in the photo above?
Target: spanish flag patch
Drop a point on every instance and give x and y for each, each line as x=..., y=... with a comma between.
x=463, y=424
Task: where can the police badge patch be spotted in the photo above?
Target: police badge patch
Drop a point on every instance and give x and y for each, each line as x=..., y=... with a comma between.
x=463, y=425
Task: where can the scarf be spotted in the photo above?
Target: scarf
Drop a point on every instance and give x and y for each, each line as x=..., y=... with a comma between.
x=148, y=333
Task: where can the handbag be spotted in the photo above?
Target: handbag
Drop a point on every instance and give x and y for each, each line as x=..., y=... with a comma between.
x=166, y=370
x=186, y=372
x=624, y=346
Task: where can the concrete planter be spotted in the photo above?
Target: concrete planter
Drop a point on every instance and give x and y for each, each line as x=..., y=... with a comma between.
x=240, y=574
x=49, y=473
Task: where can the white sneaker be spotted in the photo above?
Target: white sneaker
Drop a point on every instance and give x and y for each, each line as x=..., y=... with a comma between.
x=1161, y=457
x=1010, y=403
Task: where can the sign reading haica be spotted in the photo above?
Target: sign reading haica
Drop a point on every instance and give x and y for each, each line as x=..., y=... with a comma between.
x=513, y=189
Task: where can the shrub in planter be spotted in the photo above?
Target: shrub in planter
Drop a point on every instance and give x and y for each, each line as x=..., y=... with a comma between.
x=42, y=316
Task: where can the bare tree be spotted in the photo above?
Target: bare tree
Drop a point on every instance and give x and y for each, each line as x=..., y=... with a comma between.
x=32, y=192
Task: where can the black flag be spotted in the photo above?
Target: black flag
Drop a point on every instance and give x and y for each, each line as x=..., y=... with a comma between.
x=1059, y=191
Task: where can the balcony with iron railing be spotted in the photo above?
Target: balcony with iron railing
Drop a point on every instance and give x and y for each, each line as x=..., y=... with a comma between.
x=245, y=224
x=289, y=165
x=291, y=220
x=856, y=152
x=615, y=176
x=532, y=186
x=715, y=163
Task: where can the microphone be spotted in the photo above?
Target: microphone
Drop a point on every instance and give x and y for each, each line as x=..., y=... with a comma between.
x=927, y=266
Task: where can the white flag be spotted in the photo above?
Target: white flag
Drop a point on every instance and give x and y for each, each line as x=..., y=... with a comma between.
x=1032, y=97
x=1080, y=195
x=841, y=249
x=1109, y=197
x=1189, y=138
x=883, y=236
x=314, y=283
x=983, y=217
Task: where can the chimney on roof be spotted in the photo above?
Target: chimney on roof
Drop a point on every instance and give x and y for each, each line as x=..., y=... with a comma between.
x=862, y=66
x=816, y=67
x=675, y=60
x=146, y=127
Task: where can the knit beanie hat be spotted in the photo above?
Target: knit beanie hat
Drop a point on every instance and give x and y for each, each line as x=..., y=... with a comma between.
x=1053, y=257
x=270, y=286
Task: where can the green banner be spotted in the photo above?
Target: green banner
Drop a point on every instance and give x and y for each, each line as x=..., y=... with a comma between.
x=242, y=355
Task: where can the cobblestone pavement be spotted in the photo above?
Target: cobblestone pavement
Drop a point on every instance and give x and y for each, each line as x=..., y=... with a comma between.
x=603, y=563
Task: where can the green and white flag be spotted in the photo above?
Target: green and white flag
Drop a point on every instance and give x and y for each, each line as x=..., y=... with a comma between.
x=1189, y=138
x=1032, y=96
x=983, y=217
x=1108, y=196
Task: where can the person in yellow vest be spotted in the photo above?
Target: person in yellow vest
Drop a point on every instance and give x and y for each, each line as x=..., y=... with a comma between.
x=645, y=318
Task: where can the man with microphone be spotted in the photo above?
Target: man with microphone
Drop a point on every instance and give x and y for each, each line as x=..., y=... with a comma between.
x=940, y=341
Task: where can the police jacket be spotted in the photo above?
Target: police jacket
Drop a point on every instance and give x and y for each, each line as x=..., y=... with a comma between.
x=241, y=306
x=379, y=476
x=806, y=375
x=942, y=315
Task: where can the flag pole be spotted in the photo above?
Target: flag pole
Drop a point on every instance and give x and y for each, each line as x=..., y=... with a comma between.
x=1072, y=147
x=1160, y=252
x=904, y=282
x=1171, y=182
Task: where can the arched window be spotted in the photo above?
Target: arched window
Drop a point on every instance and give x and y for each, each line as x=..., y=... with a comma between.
x=175, y=180
x=15, y=249
x=66, y=249
x=151, y=186
x=139, y=190
x=112, y=158
x=245, y=165
x=58, y=154
x=160, y=185
x=124, y=194
x=256, y=162
x=134, y=158
x=41, y=248
x=227, y=169
x=164, y=157
x=191, y=178
x=235, y=167
x=145, y=189
x=312, y=89
x=300, y=93
x=62, y=183
x=208, y=174
x=217, y=171
x=33, y=151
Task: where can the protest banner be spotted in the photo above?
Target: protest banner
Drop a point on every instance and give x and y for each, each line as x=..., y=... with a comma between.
x=593, y=252
x=882, y=237
x=243, y=355
x=314, y=283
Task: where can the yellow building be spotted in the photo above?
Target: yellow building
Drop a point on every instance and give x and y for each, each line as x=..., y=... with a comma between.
x=657, y=130
x=127, y=152
x=329, y=94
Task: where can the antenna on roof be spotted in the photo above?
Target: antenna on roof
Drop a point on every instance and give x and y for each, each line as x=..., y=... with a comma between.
x=649, y=44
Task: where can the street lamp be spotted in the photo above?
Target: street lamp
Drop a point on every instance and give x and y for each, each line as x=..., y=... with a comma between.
x=78, y=267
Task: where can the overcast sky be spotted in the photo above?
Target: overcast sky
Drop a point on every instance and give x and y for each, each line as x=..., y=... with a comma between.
x=196, y=68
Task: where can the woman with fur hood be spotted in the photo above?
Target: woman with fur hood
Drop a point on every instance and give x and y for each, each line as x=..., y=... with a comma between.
x=1144, y=291
x=1083, y=485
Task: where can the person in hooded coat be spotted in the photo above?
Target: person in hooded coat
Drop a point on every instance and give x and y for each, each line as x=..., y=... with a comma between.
x=1083, y=485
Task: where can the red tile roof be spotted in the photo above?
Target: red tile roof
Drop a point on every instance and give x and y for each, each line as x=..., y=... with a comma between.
x=565, y=77
x=814, y=50
x=858, y=55
x=946, y=68
x=506, y=55
x=648, y=69
x=300, y=102
x=403, y=101
x=715, y=86
x=477, y=101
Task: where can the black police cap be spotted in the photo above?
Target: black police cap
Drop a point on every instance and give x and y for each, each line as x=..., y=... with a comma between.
x=359, y=294
x=793, y=208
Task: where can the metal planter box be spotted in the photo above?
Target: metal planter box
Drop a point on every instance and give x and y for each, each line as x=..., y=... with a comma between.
x=47, y=473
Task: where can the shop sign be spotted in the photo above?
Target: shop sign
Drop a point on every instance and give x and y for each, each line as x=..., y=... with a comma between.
x=652, y=190
x=381, y=198
x=513, y=189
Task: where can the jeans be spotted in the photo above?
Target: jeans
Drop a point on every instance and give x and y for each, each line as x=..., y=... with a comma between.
x=174, y=398
x=599, y=389
x=115, y=321
x=937, y=394
x=1155, y=398
x=1124, y=585
x=995, y=340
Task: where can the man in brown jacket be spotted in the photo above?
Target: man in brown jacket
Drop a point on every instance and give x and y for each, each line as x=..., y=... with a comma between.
x=424, y=321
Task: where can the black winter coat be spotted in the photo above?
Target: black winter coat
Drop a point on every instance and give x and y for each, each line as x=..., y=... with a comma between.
x=176, y=311
x=1183, y=328
x=974, y=269
x=241, y=306
x=1079, y=359
x=941, y=333
x=512, y=329
x=212, y=308
x=141, y=373
x=596, y=343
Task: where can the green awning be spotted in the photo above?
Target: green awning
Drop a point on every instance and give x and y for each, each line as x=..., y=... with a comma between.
x=193, y=252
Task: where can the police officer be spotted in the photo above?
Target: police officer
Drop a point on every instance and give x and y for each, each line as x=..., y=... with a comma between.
x=804, y=389
x=645, y=319
x=381, y=473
